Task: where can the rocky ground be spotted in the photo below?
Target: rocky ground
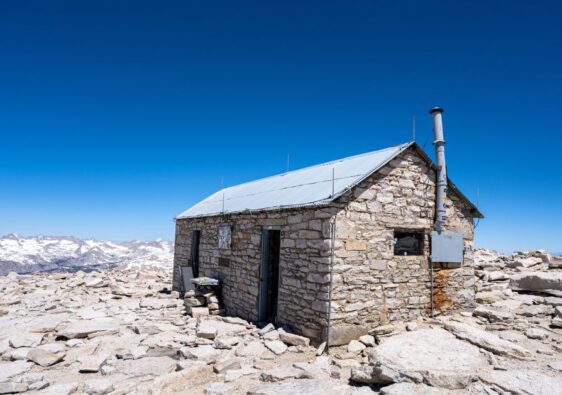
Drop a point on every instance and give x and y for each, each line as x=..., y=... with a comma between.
x=116, y=332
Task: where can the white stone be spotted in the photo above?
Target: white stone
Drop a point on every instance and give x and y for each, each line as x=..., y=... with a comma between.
x=218, y=388
x=417, y=357
x=487, y=340
x=205, y=353
x=82, y=328
x=536, y=333
x=368, y=340
x=355, y=347
x=276, y=346
x=43, y=357
x=280, y=374
x=227, y=364
x=98, y=386
x=11, y=369
x=545, y=282
x=523, y=381
x=294, y=340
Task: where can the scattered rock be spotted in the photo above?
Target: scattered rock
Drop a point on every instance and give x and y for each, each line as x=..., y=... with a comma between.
x=43, y=357
x=199, y=312
x=25, y=340
x=294, y=340
x=149, y=366
x=486, y=340
x=280, y=374
x=367, y=340
x=411, y=326
x=226, y=343
x=38, y=385
x=536, y=333
x=276, y=346
x=98, y=386
x=523, y=382
x=447, y=363
x=302, y=387
x=205, y=353
x=556, y=365
x=492, y=315
x=545, y=282
x=355, y=347
x=82, y=328
x=13, y=388
x=218, y=388
x=227, y=364
x=11, y=369
x=320, y=349
x=268, y=328
x=93, y=363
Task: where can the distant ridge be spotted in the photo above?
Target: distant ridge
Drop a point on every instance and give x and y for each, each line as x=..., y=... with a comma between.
x=64, y=253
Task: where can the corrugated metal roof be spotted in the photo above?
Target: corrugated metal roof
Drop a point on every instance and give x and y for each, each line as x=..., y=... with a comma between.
x=304, y=187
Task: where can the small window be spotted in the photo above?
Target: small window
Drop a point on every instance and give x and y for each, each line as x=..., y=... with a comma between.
x=408, y=243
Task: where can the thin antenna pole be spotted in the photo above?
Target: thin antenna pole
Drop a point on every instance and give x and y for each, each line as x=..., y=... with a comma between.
x=477, y=197
x=413, y=128
x=288, y=161
x=223, y=202
x=222, y=182
x=333, y=178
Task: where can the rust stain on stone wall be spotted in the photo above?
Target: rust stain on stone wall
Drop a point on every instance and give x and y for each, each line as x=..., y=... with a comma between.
x=441, y=300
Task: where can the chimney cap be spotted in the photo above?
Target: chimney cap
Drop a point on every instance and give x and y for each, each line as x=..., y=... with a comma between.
x=436, y=109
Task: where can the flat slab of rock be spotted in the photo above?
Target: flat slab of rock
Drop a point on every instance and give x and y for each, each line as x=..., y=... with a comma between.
x=355, y=346
x=280, y=374
x=98, y=386
x=43, y=357
x=411, y=388
x=180, y=382
x=486, y=340
x=417, y=357
x=13, y=388
x=25, y=340
x=227, y=364
x=302, y=387
x=492, y=315
x=205, y=353
x=276, y=346
x=149, y=366
x=10, y=369
x=545, y=282
x=253, y=349
x=524, y=382
x=82, y=328
x=294, y=340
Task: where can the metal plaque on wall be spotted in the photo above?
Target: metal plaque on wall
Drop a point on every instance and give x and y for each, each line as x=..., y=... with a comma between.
x=225, y=237
x=447, y=247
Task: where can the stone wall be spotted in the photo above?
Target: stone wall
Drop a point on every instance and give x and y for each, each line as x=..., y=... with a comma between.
x=304, y=263
x=372, y=286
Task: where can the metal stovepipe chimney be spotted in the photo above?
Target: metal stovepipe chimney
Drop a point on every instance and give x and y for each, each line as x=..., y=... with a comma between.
x=439, y=143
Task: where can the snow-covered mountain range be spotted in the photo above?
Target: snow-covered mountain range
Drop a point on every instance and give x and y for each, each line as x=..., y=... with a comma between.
x=45, y=253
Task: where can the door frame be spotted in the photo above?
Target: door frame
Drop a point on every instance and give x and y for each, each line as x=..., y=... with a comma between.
x=264, y=271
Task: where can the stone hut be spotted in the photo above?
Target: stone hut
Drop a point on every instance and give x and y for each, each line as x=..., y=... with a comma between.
x=332, y=250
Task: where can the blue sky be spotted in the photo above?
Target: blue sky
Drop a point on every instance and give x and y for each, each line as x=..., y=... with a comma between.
x=117, y=115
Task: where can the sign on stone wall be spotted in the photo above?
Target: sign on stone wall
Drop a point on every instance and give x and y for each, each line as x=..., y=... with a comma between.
x=225, y=237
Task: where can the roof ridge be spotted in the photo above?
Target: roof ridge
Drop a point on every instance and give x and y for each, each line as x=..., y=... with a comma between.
x=313, y=166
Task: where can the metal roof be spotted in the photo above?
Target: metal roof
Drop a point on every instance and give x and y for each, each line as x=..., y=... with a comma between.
x=303, y=187
x=309, y=186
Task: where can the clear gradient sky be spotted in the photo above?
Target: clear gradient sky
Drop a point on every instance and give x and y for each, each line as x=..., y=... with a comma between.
x=117, y=115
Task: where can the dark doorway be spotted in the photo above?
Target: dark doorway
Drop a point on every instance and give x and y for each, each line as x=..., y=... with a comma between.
x=195, y=238
x=269, y=275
